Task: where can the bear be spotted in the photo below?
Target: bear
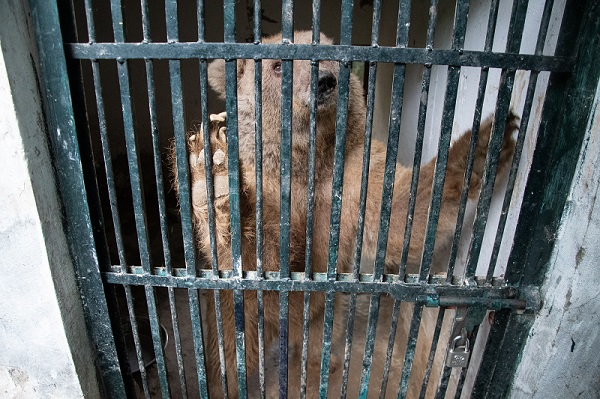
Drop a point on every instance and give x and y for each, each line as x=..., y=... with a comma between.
x=327, y=101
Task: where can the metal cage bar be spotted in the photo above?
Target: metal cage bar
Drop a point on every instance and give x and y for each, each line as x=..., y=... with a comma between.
x=322, y=52
x=185, y=196
x=483, y=79
x=310, y=202
x=363, y=198
x=425, y=82
x=387, y=191
x=517, y=24
x=539, y=48
x=458, y=40
x=259, y=197
x=287, y=75
x=337, y=191
x=139, y=213
x=161, y=198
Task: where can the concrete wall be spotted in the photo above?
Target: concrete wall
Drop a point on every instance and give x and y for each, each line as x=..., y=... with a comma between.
x=560, y=359
x=44, y=349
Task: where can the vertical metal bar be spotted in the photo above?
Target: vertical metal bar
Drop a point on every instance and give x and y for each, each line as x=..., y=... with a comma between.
x=234, y=194
x=89, y=18
x=443, y=383
x=434, y=342
x=314, y=82
x=63, y=137
x=516, y=26
x=387, y=192
x=409, y=354
x=337, y=189
x=464, y=195
x=210, y=199
x=539, y=48
x=458, y=39
x=184, y=196
x=138, y=201
x=259, y=196
x=161, y=198
x=390, y=349
x=419, y=140
x=110, y=177
x=362, y=200
x=411, y=346
x=136, y=341
x=287, y=34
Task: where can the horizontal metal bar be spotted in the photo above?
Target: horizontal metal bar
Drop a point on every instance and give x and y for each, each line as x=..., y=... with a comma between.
x=431, y=295
x=436, y=279
x=321, y=52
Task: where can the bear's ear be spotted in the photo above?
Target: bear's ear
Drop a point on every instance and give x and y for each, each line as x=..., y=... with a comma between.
x=216, y=74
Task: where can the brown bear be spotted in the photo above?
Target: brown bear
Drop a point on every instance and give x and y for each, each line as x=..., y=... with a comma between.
x=325, y=139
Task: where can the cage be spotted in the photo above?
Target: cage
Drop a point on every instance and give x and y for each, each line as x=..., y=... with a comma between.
x=365, y=230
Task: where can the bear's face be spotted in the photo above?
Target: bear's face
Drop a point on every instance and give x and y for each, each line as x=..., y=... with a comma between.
x=271, y=95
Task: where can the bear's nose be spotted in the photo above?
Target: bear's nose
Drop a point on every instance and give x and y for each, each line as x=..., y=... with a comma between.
x=327, y=82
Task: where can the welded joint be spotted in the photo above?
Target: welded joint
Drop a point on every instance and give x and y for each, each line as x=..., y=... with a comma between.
x=533, y=299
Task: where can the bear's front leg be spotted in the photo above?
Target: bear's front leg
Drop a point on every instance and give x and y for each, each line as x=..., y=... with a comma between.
x=216, y=160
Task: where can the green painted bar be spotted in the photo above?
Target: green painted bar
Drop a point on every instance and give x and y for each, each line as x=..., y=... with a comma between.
x=411, y=347
x=483, y=78
x=517, y=24
x=285, y=214
x=138, y=206
x=458, y=40
x=425, y=82
x=434, y=343
x=321, y=52
x=404, y=11
x=259, y=202
x=539, y=48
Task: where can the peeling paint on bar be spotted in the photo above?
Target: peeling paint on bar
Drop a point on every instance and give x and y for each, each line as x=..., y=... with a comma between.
x=321, y=52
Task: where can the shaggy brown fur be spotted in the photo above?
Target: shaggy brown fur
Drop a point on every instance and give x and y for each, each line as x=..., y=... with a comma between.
x=323, y=191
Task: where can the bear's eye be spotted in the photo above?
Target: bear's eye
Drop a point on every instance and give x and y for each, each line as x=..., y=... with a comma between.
x=277, y=68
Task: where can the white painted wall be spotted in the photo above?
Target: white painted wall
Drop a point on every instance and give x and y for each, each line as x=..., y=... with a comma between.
x=44, y=348
x=560, y=359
